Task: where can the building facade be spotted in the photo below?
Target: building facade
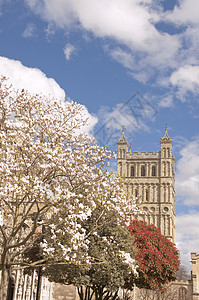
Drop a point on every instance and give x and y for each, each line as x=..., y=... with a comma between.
x=195, y=275
x=150, y=177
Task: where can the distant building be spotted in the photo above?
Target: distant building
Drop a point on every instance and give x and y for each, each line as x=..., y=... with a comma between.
x=195, y=275
x=150, y=177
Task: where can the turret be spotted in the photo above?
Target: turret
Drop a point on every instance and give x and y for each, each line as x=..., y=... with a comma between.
x=166, y=146
x=122, y=151
x=167, y=190
x=122, y=146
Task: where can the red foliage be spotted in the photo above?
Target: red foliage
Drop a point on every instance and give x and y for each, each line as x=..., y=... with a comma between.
x=157, y=257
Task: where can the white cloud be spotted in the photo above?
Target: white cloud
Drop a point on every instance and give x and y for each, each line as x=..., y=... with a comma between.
x=166, y=101
x=121, y=116
x=131, y=23
x=103, y=18
x=187, y=174
x=50, y=30
x=1, y=4
x=143, y=64
x=36, y=82
x=130, y=28
x=186, y=12
x=133, y=115
x=69, y=50
x=124, y=57
x=30, y=31
x=187, y=238
x=31, y=79
x=186, y=79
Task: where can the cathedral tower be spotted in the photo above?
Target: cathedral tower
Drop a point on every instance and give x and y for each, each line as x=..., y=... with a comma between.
x=150, y=178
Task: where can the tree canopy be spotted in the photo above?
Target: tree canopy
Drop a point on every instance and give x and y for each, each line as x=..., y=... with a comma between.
x=111, y=249
x=157, y=257
x=50, y=169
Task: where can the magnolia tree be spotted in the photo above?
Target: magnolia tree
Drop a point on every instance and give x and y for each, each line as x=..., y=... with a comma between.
x=157, y=257
x=49, y=168
x=111, y=251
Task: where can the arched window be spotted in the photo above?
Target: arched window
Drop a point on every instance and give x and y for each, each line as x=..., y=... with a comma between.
x=136, y=193
x=153, y=171
x=168, y=152
x=132, y=171
x=164, y=169
x=143, y=172
x=164, y=152
x=182, y=293
x=147, y=195
x=168, y=169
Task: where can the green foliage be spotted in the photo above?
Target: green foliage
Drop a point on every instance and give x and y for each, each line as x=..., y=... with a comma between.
x=108, y=240
x=32, y=254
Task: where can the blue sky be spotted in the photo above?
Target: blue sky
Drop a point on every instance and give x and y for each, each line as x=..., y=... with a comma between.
x=129, y=62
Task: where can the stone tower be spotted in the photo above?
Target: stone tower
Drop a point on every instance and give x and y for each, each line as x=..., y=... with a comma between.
x=150, y=178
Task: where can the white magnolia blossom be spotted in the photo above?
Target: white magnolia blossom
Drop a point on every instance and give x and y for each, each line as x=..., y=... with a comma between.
x=127, y=259
x=48, y=170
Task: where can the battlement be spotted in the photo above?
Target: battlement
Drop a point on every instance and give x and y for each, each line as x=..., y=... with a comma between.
x=181, y=282
x=194, y=256
x=143, y=154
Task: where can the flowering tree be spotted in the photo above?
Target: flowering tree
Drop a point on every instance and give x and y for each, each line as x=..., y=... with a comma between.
x=111, y=251
x=157, y=257
x=48, y=168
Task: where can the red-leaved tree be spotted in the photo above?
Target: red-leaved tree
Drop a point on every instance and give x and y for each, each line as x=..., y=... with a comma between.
x=157, y=257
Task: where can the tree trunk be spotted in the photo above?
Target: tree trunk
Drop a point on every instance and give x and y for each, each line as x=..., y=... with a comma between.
x=80, y=292
x=4, y=284
x=85, y=293
x=102, y=294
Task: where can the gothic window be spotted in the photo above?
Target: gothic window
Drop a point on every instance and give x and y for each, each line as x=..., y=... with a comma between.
x=168, y=152
x=182, y=293
x=120, y=153
x=132, y=171
x=136, y=193
x=169, y=225
x=120, y=169
x=143, y=171
x=153, y=220
x=164, y=220
x=147, y=195
x=153, y=171
x=164, y=169
x=168, y=169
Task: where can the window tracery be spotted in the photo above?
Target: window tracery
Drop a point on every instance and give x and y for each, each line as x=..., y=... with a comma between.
x=143, y=171
x=153, y=171
x=132, y=172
